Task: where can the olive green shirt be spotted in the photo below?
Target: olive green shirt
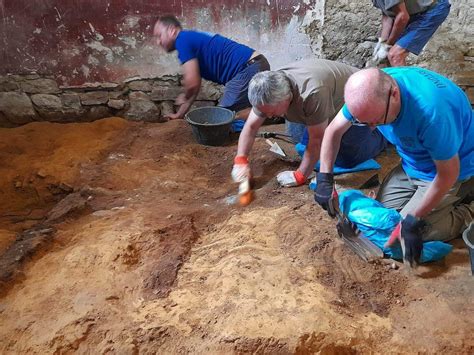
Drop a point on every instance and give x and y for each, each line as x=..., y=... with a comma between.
x=317, y=86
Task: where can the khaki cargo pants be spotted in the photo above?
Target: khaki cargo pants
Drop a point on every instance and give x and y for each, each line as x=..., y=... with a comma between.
x=448, y=220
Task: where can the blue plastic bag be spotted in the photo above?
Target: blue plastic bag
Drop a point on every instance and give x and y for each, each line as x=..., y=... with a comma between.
x=377, y=223
x=237, y=126
x=370, y=164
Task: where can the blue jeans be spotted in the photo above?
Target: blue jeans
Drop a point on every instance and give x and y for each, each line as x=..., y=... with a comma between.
x=358, y=144
x=422, y=26
x=235, y=95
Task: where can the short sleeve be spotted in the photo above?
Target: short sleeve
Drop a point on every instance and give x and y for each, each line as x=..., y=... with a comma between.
x=347, y=115
x=185, y=48
x=391, y=3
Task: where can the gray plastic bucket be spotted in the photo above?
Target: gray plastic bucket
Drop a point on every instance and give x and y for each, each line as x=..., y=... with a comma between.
x=210, y=125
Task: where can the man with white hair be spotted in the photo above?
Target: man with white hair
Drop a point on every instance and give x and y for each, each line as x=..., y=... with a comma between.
x=308, y=92
x=430, y=121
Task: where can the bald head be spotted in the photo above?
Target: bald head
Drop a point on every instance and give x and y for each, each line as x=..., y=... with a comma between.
x=366, y=93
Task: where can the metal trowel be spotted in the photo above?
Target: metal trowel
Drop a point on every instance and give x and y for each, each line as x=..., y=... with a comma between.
x=275, y=148
x=351, y=235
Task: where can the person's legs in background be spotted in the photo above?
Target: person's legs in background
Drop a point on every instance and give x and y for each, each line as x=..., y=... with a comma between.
x=358, y=145
x=297, y=131
x=235, y=95
x=418, y=32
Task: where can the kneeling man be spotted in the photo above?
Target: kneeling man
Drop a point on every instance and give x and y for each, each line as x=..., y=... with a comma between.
x=310, y=92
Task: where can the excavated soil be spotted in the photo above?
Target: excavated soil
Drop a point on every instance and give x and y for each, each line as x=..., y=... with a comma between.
x=121, y=237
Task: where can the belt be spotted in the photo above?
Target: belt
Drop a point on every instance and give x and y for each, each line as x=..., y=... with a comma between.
x=254, y=60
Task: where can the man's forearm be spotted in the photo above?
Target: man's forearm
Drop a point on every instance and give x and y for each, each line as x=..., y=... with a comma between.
x=433, y=196
x=247, y=138
x=387, y=23
x=186, y=105
x=310, y=157
x=329, y=150
x=399, y=24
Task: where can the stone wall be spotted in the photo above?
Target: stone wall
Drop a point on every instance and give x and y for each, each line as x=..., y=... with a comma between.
x=351, y=29
x=63, y=65
x=31, y=97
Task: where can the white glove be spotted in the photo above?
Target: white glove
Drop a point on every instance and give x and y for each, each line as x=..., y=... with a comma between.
x=380, y=51
x=291, y=178
x=241, y=169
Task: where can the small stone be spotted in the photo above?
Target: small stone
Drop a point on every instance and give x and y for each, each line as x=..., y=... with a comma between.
x=339, y=302
x=169, y=216
x=18, y=184
x=41, y=174
x=141, y=85
x=94, y=98
x=71, y=101
x=40, y=86
x=116, y=104
x=393, y=266
x=16, y=108
x=46, y=102
x=167, y=108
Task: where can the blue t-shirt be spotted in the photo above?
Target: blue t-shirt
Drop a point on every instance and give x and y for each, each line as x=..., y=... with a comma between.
x=220, y=58
x=435, y=123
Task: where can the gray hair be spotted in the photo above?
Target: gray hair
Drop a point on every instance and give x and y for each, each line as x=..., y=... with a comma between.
x=269, y=88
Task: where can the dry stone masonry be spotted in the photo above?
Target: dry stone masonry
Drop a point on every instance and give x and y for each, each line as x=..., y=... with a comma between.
x=342, y=30
x=29, y=98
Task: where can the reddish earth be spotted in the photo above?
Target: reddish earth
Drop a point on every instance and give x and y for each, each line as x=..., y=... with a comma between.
x=121, y=237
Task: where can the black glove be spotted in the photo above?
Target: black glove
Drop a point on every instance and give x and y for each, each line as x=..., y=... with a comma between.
x=412, y=239
x=324, y=188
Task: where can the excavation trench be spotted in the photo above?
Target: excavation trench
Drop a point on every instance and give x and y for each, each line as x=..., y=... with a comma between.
x=121, y=237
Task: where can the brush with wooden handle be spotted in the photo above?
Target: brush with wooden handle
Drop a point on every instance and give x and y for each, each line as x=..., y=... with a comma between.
x=245, y=193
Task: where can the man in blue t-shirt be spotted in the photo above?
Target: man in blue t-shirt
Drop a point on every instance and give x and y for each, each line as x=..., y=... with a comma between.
x=430, y=121
x=211, y=57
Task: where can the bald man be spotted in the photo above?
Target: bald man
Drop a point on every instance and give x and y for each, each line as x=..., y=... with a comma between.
x=430, y=121
x=309, y=92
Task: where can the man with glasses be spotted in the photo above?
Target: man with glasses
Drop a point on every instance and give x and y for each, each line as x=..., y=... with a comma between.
x=430, y=121
x=308, y=92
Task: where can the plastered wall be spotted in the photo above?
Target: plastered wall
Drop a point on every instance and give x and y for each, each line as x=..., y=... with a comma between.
x=70, y=51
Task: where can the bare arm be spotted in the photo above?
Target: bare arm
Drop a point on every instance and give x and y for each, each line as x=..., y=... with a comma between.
x=192, y=85
x=447, y=173
x=311, y=154
x=399, y=23
x=247, y=136
x=332, y=141
x=387, y=23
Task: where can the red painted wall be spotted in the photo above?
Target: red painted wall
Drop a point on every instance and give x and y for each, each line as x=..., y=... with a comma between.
x=80, y=41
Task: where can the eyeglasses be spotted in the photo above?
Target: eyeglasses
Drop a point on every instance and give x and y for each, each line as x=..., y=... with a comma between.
x=356, y=122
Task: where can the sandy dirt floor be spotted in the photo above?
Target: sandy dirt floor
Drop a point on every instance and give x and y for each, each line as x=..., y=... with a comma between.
x=121, y=237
